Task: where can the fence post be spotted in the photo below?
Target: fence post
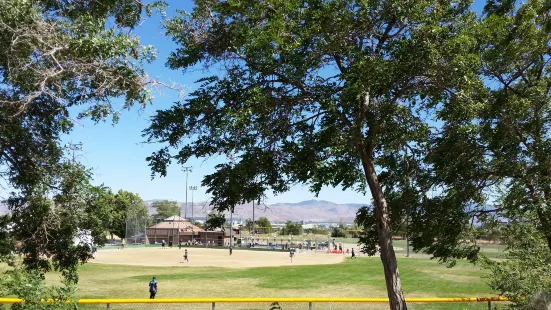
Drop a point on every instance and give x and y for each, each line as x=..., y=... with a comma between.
x=108, y=307
x=489, y=305
x=213, y=306
x=310, y=306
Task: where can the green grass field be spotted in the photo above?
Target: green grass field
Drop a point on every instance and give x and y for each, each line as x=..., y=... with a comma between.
x=353, y=278
x=362, y=277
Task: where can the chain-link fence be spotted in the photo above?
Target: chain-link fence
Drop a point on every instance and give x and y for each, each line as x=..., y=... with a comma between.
x=136, y=224
x=290, y=304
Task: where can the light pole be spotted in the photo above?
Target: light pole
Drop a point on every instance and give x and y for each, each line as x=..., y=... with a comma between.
x=186, y=170
x=407, y=233
x=74, y=147
x=192, y=189
x=253, y=218
x=231, y=227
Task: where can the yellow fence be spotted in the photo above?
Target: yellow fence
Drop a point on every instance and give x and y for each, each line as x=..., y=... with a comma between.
x=281, y=303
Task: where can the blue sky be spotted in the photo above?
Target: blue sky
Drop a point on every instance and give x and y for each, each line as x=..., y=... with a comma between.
x=117, y=155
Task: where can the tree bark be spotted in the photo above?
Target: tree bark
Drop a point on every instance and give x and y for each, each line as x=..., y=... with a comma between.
x=388, y=257
x=545, y=223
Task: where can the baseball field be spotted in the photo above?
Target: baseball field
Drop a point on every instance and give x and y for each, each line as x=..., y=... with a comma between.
x=125, y=273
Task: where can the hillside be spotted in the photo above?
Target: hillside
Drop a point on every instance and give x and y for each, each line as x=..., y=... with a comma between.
x=308, y=211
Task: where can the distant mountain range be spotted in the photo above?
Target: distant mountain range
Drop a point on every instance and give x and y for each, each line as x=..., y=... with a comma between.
x=308, y=211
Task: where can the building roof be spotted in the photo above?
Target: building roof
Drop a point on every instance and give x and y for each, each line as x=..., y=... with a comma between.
x=175, y=218
x=183, y=226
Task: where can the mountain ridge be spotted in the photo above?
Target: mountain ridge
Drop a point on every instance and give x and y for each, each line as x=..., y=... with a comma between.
x=308, y=210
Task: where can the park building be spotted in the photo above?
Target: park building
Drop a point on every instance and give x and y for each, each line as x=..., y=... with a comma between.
x=176, y=228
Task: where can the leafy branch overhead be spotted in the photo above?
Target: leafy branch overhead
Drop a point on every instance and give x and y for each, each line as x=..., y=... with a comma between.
x=58, y=55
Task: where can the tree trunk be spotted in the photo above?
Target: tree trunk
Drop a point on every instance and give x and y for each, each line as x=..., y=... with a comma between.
x=388, y=257
x=545, y=224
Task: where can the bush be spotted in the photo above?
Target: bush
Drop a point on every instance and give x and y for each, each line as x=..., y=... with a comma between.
x=339, y=232
x=30, y=287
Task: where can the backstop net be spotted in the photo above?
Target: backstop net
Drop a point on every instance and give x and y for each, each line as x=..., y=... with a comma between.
x=137, y=220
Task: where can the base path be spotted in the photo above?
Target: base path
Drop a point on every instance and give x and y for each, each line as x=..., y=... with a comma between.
x=201, y=257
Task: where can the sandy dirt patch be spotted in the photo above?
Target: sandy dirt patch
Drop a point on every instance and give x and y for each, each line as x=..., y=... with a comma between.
x=200, y=257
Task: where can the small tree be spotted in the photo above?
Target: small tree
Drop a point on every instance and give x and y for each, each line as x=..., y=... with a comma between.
x=165, y=209
x=339, y=231
x=60, y=215
x=292, y=229
x=264, y=226
x=123, y=202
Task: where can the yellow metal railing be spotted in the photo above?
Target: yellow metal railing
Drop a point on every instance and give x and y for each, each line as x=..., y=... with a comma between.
x=308, y=302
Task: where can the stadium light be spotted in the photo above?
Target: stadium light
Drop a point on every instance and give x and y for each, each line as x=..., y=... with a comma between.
x=192, y=189
x=186, y=170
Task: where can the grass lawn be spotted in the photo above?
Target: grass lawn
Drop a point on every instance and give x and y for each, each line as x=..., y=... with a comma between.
x=362, y=277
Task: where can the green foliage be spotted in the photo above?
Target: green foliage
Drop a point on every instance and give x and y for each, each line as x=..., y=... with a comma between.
x=30, y=287
x=198, y=224
x=339, y=232
x=125, y=202
x=490, y=229
x=165, y=209
x=368, y=237
x=46, y=223
x=291, y=228
x=491, y=159
x=56, y=56
x=265, y=226
x=7, y=243
x=316, y=231
x=328, y=93
x=262, y=225
x=525, y=246
x=215, y=220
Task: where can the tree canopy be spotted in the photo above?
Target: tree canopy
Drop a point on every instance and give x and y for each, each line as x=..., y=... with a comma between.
x=58, y=55
x=492, y=158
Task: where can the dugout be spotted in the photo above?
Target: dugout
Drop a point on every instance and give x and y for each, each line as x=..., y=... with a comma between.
x=173, y=229
x=176, y=228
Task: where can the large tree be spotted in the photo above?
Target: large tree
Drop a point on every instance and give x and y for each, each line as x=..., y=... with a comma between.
x=315, y=92
x=492, y=159
x=55, y=57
